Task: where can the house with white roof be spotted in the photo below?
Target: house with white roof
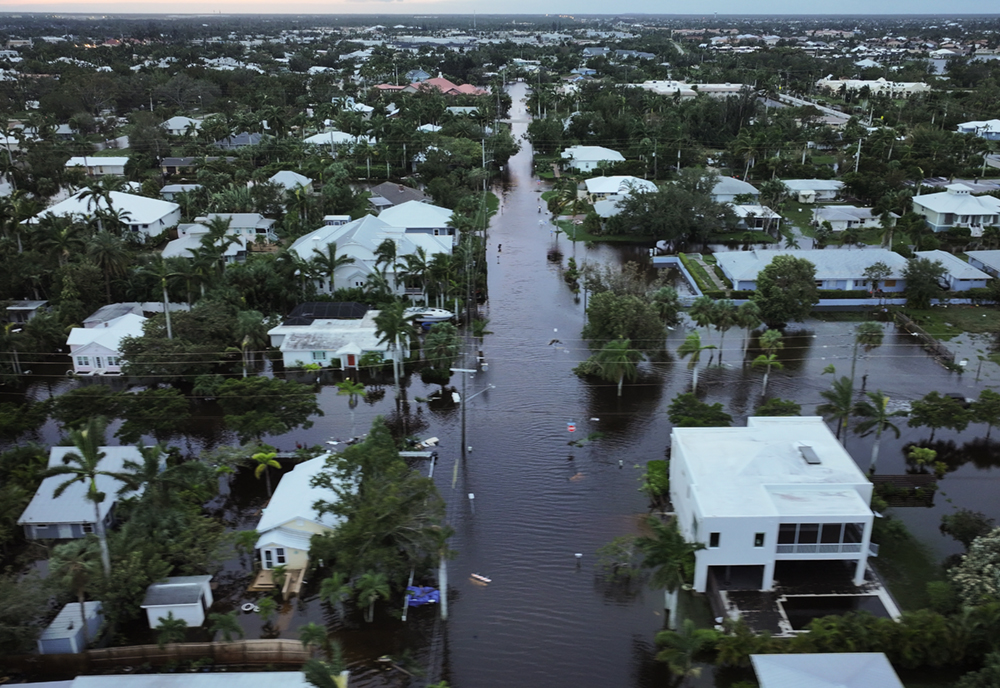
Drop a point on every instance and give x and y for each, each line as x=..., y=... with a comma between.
x=841, y=269
x=334, y=342
x=813, y=190
x=874, y=86
x=247, y=227
x=332, y=139
x=957, y=207
x=189, y=242
x=290, y=181
x=843, y=217
x=756, y=217
x=147, y=216
x=290, y=518
x=72, y=628
x=72, y=514
x=600, y=188
x=961, y=276
x=988, y=129
x=170, y=191
x=987, y=261
x=360, y=240
x=416, y=217
x=97, y=350
x=95, y=166
x=780, y=489
x=726, y=190
x=825, y=670
x=181, y=126
x=186, y=597
x=590, y=158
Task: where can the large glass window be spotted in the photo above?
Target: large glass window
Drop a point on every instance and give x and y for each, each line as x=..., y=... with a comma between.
x=853, y=532
x=786, y=533
x=808, y=533
x=831, y=533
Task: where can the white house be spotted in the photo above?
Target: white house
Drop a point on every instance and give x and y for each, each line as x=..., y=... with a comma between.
x=813, y=190
x=99, y=166
x=188, y=243
x=290, y=518
x=331, y=139
x=987, y=261
x=97, y=350
x=728, y=188
x=825, y=670
x=290, y=181
x=986, y=129
x=961, y=276
x=325, y=341
x=170, y=191
x=24, y=310
x=70, y=630
x=620, y=186
x=248, y=227
x=957, y=207
x=181, y=126
x=72, y=514
x=686, y=91
x=590, y=158
x=111, y=312
x=880, y=85
x=756, y=217
x=780, y=489
x=835, y=269
x=416, y=217
x=148, y=216
x=843, y=217
x=186, y=597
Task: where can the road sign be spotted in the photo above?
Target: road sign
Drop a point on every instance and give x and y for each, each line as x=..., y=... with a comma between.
x=571, y=426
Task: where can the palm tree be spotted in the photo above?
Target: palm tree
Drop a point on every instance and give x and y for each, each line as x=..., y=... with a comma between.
x=327, y=262
x=692, y=347
x=325, y=674
x=335, y=589
x=170, y=630
x=680, y=647
x=94, y=194
x=617, y=361
x=416, y=266
x=770, y=344
x=839, y=404
x=868, y=336
x=160, y=269
x=876, y=418
x=61, y=236
x=724, y=316
x=391, y=326
x=264, y=461
x=76, y=565
x=748, y=318
x=226, y=624
x=84, y=466
x=371, y=587
x=701, y=310
x=351, y=389
x=385, y=255
x=670, y=556
x=109, y=254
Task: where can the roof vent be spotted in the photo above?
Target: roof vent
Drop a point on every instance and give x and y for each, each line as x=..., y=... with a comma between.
x=809, y=454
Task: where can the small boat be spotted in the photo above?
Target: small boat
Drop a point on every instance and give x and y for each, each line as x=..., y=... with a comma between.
x=481, y=579
x=428, y=315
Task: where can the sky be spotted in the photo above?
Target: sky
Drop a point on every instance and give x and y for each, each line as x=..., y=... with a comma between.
x=442, y=7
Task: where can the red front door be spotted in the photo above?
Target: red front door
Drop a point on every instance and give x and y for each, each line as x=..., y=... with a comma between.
x=350, y=361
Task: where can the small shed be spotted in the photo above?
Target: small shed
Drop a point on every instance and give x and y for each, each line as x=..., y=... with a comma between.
x=65, y=635
x=186, y=596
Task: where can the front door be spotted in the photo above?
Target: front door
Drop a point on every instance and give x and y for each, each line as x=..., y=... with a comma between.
x=97, y=362
x=268, y=559
x=351, y=361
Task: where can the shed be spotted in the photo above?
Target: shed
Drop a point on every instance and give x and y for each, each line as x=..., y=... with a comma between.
x=65, y=635
x=186, y=596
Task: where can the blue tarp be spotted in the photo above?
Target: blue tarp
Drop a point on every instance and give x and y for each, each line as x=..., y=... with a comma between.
x=417, y=596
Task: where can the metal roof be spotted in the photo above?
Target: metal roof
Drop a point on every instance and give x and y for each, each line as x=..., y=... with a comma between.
x=67, y=621
x=825, y=670
x=178, y=590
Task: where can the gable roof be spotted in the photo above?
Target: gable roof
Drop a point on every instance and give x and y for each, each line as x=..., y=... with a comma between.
x=289, y=180
x=295, y=498
x=592, y=154
x=67, y=621
x=108, y=334
x=97, y=161
x=141, y=210
x=813, y=184
x=825, y=670
x=414, y=214
x=955, y=266
x=176, y=590
x=727, y=186
x=959, y=200
x=334, y=138
x=830, y=263
x=72, y=506
x=618, y=184
x=842, y=213
x=368, y=232
x=398, y=193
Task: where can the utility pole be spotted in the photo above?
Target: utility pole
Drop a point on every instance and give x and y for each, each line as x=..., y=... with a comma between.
x=857, y=156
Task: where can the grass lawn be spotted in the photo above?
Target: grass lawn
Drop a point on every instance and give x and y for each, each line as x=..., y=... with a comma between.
x=799, y=215
x=577, y=233
x=947, y=323
x=906, y=564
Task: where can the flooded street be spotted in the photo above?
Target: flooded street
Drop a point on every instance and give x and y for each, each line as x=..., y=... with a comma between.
x=547, y=619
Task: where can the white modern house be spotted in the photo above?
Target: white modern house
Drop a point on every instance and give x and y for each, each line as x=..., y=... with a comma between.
x=71, y=515
x=986, y=129
x=147, y=216
x=334, y=341
x=880, y=85
x=957, y=207
x=813, y=190
x=290, y=518
x=330, y=139
x=728, y=188
x=186, y=597
x=590, y=158
x=780, y=489
x=835, y=269
x=825, y=670
x=961, y=276
x=97, y=350
x=99, y=166
x=248, y=227
x=843, y=217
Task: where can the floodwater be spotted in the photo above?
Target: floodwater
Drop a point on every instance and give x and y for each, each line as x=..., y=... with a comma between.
x=547, y=619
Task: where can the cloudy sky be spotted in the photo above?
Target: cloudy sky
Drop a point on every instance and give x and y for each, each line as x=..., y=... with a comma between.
x=740, y=7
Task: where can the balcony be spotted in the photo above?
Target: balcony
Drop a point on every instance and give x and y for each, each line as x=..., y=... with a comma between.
x=834, y=548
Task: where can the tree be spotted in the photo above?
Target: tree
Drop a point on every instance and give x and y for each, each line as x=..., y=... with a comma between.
x=392, y=327
x=876, y=273
x=724, y=316
x=786, y=290
x=692, y=347
x=617, y=361
x=612, y=316
x=170, y=630
x=76, y=566
x=256, y=406
x=839, y=404
x=923, y=281
x=986, y=409
x=778, y=407
x=161, y=412
x=83, y=466
x=987, y=677
x=670, y=556
x=975, y=577
x=747, y=318
x=371, y=587
x=869, y=336
x=264, y=461
x=226, y=624
x=687, y=411
x=352, y=390
x=109, y=254
x=876, y=417
x=770, y=344
x=667, y=304
x=937, y=411
x=966, y=525
x=702, y=311
x=678, y=648
x=327, y=262
x=325, y=674
x=442, y=346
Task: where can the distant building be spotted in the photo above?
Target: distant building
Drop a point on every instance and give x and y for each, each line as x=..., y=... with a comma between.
x=23, y=311
x=148, y=216
x=877, y=86
x=840, y=269
x=726, y=190
x=95, y=166
x=986, y=129
x=181, y=126
x=686, y=91
x=813, y=190
x=957, y=207
x=842, y=217
x=590, y=158
x=395, y=194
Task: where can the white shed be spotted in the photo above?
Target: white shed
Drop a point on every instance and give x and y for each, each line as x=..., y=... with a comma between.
x=186, y=596
x=65, y=635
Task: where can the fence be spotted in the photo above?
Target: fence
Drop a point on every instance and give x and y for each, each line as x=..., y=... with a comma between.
x=931, y=345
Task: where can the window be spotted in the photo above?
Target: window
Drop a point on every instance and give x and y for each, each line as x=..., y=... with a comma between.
x=853, y=532
x=112, y=361
x=889, y=283
x=279, y=555
x=831, y=533
x=88, y=527
x=758, y=540
x=319, y=355
x=83, y=361
x=786, y=534
x=808, y=533
x=713, y=540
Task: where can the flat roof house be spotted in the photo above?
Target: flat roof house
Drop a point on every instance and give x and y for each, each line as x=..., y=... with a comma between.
x=961, y=276
x=590, y=158
x=780, y=489
x=23, y=311
x=987, y=129
x=841, y=269
x=957, y=207
x=599, y=188
x=987, y=261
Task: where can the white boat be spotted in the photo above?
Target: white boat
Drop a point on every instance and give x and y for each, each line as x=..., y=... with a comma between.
x=428, y=315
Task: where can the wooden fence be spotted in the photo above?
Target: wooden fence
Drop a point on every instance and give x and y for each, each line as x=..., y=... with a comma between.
x=280, y=652
x=935, y=348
